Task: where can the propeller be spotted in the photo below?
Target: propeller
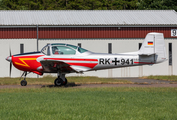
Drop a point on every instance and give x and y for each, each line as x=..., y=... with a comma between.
x=10, y=64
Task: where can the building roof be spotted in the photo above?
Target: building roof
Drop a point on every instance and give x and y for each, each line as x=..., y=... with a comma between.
x=88, y=17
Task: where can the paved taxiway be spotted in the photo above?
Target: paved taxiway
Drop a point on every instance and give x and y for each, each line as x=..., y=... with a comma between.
x=89, y=85
x=138, y=83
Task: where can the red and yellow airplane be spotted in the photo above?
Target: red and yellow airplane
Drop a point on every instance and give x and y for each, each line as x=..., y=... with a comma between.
x=65, y=58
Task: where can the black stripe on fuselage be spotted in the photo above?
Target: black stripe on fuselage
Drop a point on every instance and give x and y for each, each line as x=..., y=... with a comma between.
x=27, y=53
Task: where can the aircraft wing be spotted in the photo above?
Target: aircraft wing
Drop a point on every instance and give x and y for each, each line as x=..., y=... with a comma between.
x=53, y=66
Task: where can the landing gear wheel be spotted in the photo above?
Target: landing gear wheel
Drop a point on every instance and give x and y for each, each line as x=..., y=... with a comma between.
x=23, y=83
x=58, y=82
x=65, y=82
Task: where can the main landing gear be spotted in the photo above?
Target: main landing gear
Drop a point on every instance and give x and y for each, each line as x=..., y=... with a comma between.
x=61, y=80
x=24, y=82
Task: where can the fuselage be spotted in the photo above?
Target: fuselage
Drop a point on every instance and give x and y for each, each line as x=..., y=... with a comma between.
x=65, y=58
x=95, y=61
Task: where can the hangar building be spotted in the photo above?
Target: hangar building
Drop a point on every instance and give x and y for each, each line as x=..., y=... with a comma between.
x=102, y=31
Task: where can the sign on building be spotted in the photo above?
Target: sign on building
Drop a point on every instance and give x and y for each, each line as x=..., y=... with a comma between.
x=173, y=32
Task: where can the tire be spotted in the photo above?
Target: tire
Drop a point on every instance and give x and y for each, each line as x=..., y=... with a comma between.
x=23, y=83
x=65, y=82
x=58, y=82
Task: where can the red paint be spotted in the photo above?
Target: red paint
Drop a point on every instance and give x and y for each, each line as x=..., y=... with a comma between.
x=90, y=65
x=12, y=33
x=27, y=65
x=39, y=73
x=74, y=59
x=102, y=32
x=143, y=63
x=83, y=32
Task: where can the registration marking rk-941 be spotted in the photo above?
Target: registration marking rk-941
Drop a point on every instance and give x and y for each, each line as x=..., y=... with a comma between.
x=115, y=61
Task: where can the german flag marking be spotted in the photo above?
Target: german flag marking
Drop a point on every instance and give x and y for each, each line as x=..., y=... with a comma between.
x=150, y=43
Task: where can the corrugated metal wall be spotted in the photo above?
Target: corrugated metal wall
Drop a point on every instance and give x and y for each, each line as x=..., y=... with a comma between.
x=15, y=33
x=102, y=32
x=83, y=32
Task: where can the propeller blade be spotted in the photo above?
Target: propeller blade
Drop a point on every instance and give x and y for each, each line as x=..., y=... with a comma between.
x=10, y=63
x=10, y=69
x=10, y=52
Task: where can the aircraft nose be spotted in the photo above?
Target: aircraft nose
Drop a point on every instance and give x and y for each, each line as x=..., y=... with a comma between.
x=9, y=59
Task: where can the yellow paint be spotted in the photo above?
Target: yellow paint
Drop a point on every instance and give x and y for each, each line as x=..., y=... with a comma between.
x=24, y=63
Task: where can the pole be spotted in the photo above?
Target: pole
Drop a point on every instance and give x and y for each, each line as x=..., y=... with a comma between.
x=37, y=45
x=37, y=38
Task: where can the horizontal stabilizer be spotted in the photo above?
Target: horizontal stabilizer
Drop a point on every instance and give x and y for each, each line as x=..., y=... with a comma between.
x=148, y=54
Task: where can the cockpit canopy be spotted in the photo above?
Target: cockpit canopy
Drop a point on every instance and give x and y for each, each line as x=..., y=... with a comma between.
x=62, y=49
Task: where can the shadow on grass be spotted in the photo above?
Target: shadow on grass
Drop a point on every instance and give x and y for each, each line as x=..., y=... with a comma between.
x=67, y=85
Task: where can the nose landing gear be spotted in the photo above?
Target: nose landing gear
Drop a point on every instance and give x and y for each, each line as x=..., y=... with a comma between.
x=24, y=82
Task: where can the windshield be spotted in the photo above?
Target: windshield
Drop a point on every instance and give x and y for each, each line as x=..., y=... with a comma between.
x=75, y=47
x=81, y=50
x=46, y=50
x=62, y=50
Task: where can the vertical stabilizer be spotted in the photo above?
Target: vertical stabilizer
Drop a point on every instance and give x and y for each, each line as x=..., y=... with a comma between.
x=147, y=47
x=154, y=45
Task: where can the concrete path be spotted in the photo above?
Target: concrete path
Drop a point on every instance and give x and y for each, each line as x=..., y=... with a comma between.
x=149, y=81
x=138, y=82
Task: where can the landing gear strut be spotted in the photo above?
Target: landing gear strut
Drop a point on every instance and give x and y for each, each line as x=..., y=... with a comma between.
x=65, y=82
x=61, y=80
x=24, y=82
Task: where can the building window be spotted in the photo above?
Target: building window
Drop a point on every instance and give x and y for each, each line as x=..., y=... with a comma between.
x=170, y=53
x=110, y=48
x=21, y=48
x=140, y=44
x=79, y=44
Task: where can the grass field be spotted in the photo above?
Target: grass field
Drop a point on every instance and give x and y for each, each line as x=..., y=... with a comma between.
x=89, y=104
x=167, y=77
x=50, y=80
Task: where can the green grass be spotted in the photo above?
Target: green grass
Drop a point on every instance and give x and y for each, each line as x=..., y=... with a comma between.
x=165, y=77
x=89, y=104
x=50, y=80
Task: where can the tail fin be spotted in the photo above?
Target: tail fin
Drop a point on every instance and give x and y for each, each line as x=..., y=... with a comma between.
x=154, y=45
